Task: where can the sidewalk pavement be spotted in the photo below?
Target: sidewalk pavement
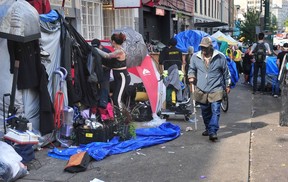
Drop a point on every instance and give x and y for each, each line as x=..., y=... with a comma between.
x=251, y=147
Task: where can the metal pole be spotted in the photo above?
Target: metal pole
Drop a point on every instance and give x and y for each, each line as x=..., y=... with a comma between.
x=267, y=15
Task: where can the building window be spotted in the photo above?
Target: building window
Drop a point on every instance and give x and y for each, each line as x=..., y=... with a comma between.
x=201, y=7
x=209, y=8
x=212, y=8
x=205, y=7
x=116, y=18
x=91, y=22
x=215, y=9
x=109, y=22
x=124, y=18
x=195, y=6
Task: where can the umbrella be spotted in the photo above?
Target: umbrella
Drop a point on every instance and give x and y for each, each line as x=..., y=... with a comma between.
x=19, y=21
x=134, y=46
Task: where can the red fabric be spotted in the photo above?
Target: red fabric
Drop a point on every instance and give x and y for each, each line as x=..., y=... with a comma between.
x=106, y=114
x=42, y=6
x=93, y=110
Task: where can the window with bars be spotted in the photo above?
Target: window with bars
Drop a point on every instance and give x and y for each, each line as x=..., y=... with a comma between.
x=91, y=21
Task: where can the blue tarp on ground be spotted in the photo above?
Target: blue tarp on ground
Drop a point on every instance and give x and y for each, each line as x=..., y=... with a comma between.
x=192, y=38
x=145, y=137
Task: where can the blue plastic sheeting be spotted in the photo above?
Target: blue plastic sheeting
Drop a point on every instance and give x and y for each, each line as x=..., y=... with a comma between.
x=271, y=66
x=145, y=137
x=192, y=38
x=233, y=71
x=49, y=17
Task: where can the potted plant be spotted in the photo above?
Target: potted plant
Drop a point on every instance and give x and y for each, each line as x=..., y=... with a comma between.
x=125, y=123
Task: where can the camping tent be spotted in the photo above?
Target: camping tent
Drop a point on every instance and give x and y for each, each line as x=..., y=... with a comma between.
x=149, y=75
x=192, y=38
x=222, y=37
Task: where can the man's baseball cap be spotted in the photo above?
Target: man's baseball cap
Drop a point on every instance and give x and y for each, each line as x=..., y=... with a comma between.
x=206, y=42
x=95, y=42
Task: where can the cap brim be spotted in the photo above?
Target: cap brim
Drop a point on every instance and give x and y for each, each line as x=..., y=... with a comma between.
x=204, y=45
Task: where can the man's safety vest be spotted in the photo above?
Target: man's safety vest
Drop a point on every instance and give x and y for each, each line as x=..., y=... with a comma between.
x=229, y=53
x=237, y=55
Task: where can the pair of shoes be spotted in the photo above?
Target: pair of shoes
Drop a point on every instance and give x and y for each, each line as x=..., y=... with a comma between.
x=205, y=133
x=213, y=137
x=275, y=96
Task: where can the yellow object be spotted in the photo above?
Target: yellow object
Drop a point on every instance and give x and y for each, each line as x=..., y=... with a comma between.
x=238, y=56
x=229, y=53
x=141, y=96
x=242, y=39
x=173, y=97
x=89, y=135
x=181, y=74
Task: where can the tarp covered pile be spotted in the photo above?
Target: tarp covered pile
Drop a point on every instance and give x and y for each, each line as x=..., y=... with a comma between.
x=145, y=137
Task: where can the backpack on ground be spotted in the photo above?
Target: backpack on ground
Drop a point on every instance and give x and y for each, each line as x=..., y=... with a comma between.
x=260, y=52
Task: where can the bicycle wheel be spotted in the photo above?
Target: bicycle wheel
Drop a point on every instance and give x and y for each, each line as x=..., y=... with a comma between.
x=225, y=103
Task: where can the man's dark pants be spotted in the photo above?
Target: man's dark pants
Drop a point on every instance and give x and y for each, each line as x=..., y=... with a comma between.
x=262, y=67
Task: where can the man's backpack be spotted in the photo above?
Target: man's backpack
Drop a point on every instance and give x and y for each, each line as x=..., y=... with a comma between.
x=260, y=52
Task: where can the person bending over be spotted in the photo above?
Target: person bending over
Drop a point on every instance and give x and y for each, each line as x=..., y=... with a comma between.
x=117, y=59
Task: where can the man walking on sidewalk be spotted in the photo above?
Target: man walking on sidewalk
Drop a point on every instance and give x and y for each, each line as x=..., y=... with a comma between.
x=208, y=70
x=259, y=50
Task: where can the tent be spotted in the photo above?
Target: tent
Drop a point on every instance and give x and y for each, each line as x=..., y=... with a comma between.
x=155, y=89
x=222, y=37
x=192, y=38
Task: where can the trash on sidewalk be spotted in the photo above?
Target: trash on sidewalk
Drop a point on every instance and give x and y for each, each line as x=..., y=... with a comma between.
x=189, y=128
x=96, y=180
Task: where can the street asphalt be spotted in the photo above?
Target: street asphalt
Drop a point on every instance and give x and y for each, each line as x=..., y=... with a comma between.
x=251, y=147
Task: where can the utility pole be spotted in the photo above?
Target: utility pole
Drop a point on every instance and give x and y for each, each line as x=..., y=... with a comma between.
x=266, y=5
x=267, y=15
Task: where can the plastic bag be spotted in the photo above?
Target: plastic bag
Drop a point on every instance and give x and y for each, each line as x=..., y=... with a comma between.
x=11, y=167
x=19, y=21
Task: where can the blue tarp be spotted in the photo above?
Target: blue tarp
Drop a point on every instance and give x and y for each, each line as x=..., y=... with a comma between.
x=192, y=38
x=145, y=137
x=49, y=17
x=271, y=66
x=233, y=71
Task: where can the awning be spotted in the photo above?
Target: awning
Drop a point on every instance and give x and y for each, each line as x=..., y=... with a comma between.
x=210, y=24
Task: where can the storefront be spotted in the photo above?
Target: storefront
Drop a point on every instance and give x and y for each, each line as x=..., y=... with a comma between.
x=162, y=23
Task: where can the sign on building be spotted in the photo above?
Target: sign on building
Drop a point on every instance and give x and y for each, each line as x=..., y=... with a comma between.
x=127, y=3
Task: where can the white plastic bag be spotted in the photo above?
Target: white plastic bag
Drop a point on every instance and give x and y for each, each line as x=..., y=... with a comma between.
x=12, y=160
